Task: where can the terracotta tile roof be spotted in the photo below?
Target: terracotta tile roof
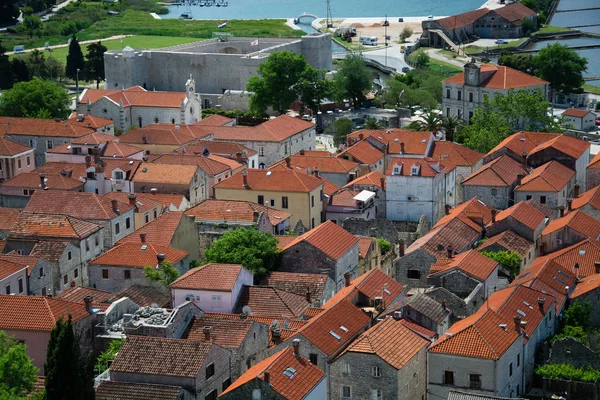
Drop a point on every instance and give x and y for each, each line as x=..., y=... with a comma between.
x=214, y=147
x=470, y=262
x=214, y=120
x=135, y=96
x=94, y=138
x=142, y=204
x=78, y=170
x=27, y=261
x=418, y=329
x=271, y=302
x=235, y=210
x=274, y=130
x=8, y=268
x=313, y=312
x=550, y=177
x=522, y=142
x=364, y=152
x=52, y=226
x=303, y=380
x=586, y=285
x=120, y=150
x=473, y=208
x=329, y=188
x=414, y=142
x=159, y=231
x=577, y=221
x=502, y=171
x=225, y=332
x=272, y=180
x=364, y=245
x=591, y=198
x=595, y=163
x=427, y=306
x=78, y=293
x=523, y=213
x=515, y=12
x=455, y=154
x=459, y=232
x=233, y=164
x=572, y=112
x=209, y=165
x=291, y=324
x=509, y=241
x=460, y=20
x=502, y=78
x=283, y=241
x=325, y=164
x=166, y=199
x=83, y=205
x=160, y=356
x=426, y=169
x=214, y=277
x=90, y=121
x=135, y=255
x=283, y=126
x=51, y=250
x=328, y=237
x=584, y=253
x=145, y=295
x=2, y=245
x=165, y=173
x=114, y=390
x=8, y=218
x=152, y=134
x=297, y=283
x=342, y=314
x=8, y=148
x=34, y=313
x=344, y=198
x=41, y=127
x=391, y=340
x=32, y=180
x=565, y=144
x=547, y=211
x=370, y=179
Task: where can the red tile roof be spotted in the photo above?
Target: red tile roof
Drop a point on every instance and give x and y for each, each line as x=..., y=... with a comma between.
x=272, y=180
x=226, y=332
x=291, y=324
x=502, y=171
x=32, y=180
x=78, y=293
x=41, y=127
x=142, y=204
x=266, y=301
x=8, y=218
x=470, y=262
x=274, y=130
x=459, y=232
x=522, y=142
x=51, y=250
x=114, y=390
x=298, y=283
x=586, y=285
x=78, y=170
x=370, y=179
x=460, y=20
x=209, y=165
x=8, y=268
x=145, y=295
x=27, y=261
x=474, y=209
x=33, y=313
x=414, y=142
x=329, y=188
x=325, y=164
x=577, y=221
x=509, y=241
x=550, y=177
x=344, y=198
x=8, y=148
x=235, y=210
x=215, y=277
x=303, y=380
x=595, y=163
x=455, y=154
x=159, y=232
x=502, y=78
x=364, y=152
x=514, y=12
x=584, y=253
x=328, y=237
x=52, y=226
x=565, y=144
x=165, y=173
x=214, y=120
x=160, y=356
x=120, y=150
x=364, y=245
x=427, y=169
x=418, y=329
x=590, y=198
x=135, y=255
x=572, y=112
x=225, y=149
x=167, y=200
x=135, y=96
x=90, y=121
x=523, y=213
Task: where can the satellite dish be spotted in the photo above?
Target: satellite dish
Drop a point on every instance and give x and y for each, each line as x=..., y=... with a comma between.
x=246, y=310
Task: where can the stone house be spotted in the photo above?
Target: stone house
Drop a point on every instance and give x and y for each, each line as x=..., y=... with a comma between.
x=584, y=254
x=369, y=254
x=284, y=375
x=188, y=180
x=427, y=312
x=518, y=144
x=368, y=157
x=29, y=319
x=495, y=181
x=588, y=290
x=510, y=241
x=246, y=340
x=319, y=288
x=201, y=368
x=13, y=278
x=373, y=182
x=269, y=302
x=572, y=228
x=94, y=144
x=580, y=120
x=17, y=191
x=388, y=361
x=15, y=158
x=522, y=218
x=212, y=287
x=317, y=252
x=337, y=170
x=356, y=204
x=592, y=173
x=117, y=218
x=145, y=209
x=588, y=202
x=123, y=265
x=40, y=272
x=550, y=184
x=157, y=139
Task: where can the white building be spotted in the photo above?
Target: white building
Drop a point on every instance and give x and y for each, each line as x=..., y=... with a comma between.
x=580, y=120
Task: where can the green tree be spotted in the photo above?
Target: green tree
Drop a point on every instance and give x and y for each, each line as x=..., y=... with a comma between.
x=32, y=24
x=36, y=98
x=164, y=273
x=352, y=80
x=422, y=60
x=487, y=128
x=36, y=64
x=276, y=82
x=575, y=332
x=384, y=245
x=450, y=125
x=249, y=247
x=509, y=259
x=525, y=110
x=9, y=12
x=75, y=59
x=108, y=355
x=65, y=368
x=521, y=62
x=6, y=77
x=340, y=128
x=312, y=87
x=405, y=34
x=561, y=66
x=579, y=314
x=55, y=68
x=430, y=121
x=94, y=65
x=17, y=373
x=19, y=70
x=372, y=123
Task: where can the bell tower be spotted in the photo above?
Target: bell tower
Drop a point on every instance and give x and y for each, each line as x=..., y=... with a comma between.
x=472, y=74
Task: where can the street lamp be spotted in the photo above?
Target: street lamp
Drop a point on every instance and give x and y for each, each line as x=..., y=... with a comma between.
x=385, y=25
x=77, y=82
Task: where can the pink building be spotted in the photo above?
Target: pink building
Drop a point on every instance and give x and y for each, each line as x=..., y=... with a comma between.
x=15, y=158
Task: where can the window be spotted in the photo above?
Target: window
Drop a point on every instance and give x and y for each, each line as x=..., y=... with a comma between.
x=117, y=228
x=75, y=273
x=261, y=151
x=261, y=200
x=312, y=223
x=518, y=360
x=346, y=392
x=147, y=217
x=104, y=274
x=448, y=378
x=69, y=255
x=41, y=272
x=284, y=202
x=256, y=394
x=127, y=274
x=28, y=160
x=127, y=223
x=87, y=245
x=272, y=202
x=7, y=289
x=494, y=192
x=312, y=201
x=510, y=369
x=447, y=93
x=471, y=97
x=543, y=199
x=212, y=395
x=413, y=274
x=97, y=240
x=49, y=144
x=65, y=279
x=226, y=383
x=32, y=143
x=155, y=213
x=459, y=95
x=376, y=394
x=20, y=282
x=459, y=113
x=470, y=116
x=475, y=381
x=210, y=370
x=313, y=358
x=528, y=197
x=216, y=301
x=345, y=368
x=19, y=165
x=447, y=111
x=321, y=195
x=376, y=371
x=44, y=291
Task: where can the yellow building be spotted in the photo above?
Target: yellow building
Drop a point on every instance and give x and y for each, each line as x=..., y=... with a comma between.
x=370, y=254
x=298, y=194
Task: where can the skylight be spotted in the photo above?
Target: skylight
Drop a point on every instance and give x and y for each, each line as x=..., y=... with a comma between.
x=335, y=335
x=521, y=312
x=289, y=372
x=387, y=291
x=582, y=252
x=342, y=327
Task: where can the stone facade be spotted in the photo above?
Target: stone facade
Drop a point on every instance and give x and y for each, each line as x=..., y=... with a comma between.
x=500, y=197
x=413, y=268
x=252, y=350
x=578, y=165
x=592, y=177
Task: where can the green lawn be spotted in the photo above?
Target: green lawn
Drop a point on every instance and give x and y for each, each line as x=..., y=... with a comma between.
x=435, y=64
x=478, y=49
x=552, y=29
x=591, y=88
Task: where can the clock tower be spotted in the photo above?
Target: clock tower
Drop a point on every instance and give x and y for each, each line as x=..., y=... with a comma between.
x=472, y=74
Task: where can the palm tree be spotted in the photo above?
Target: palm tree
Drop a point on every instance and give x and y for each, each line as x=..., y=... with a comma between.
x=372, y=123
x=430, y=121
x=450, y=125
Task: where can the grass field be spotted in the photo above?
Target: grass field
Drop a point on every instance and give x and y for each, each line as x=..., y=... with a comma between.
x=591, y=88
x=435, y=64
x=545, y=29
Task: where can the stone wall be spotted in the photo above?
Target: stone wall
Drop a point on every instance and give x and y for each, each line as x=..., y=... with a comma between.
x=392, y=231
x=502, y=200
x=417, y=260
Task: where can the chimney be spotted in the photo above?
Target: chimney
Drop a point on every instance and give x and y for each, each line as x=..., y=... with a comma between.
x=447, y=209
x=245, y=177
x=255, y=216
x=308, y=296
x=143, y=237
x=238, y=157
x=597, y=267
x=576, y=270
x=444, y=304
x=207, y=330
x=494, y=212
x=401, y=248
x=144, y=139
x=316, y=172
x=561, y=210
x=576, y=191
x=96, y=153
x=450, y=251
x=296, y=345
x=160, y=257
x=115, y=205
x=541, y=302
x=517, y=319
x=267, y=377
x=361, y=136
x=153, y=191
x=347, y=278
x=541, y=249
x=382, y=183
x=520, y=176
x=88, y=161
x=42, y=181
x=288, y=162
x=132, y=198
x=243, y=316
x=401, y=147
x=569, y=204
x=301, y=152
x=524, y=160
x=88, y=302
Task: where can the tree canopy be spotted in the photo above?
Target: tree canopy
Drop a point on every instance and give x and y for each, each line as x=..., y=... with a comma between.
x=313, y=88
x=35, y=99
x=579, y=314
x=340, y=128
x=164, y=274
x=509, y=259
x=6, y=77
x=352, y=80
x=75, y=59
x=94, y=65
x=9, y=12
x=17, y=373
x=561, y=66
x=255, y=250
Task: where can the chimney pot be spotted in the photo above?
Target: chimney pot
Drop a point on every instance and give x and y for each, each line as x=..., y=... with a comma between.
x=42, y=180
x=114, y=203
x=143, y=237
x=541, y=249
x=570, y=204
x=517, y=319
x=541, y=302
x=88, y=161
x=447, y=208
x=132, y=198
x=494, y=212
x=520, y=176
x=597, y=267
x=238, y=157
x=308, y=298
x=561, y=211
x=301, y=152
x=361, y=136
x=450, y=251
x=296, y=345
x=245, y=177
x=382, y=183
x=316, y=172
x=207, y=330
x=401, y=147
x=88, y=302
x=160, y=257
x=401, y=248
x=347, y=276
x=288, y=162
x=576, y=191
x=267, y=376
x=524, y=160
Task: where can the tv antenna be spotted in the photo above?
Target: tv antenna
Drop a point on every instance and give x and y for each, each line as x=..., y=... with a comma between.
x=329, y=17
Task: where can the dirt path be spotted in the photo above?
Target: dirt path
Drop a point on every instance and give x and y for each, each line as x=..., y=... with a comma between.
x=66, y=45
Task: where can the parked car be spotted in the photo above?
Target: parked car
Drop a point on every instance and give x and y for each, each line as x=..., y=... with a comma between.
x=598, y=121
x=405, y=69
x=501, y=41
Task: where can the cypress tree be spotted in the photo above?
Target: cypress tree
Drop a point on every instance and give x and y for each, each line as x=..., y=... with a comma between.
x=75, y=59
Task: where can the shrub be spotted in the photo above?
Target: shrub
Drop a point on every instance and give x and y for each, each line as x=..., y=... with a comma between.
x=565, y=371
x=384, y=245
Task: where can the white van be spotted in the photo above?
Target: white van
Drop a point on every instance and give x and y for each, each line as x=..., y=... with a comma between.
x=368, y=40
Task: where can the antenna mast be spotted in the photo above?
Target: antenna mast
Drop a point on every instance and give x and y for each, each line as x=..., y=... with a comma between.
x=329, y=17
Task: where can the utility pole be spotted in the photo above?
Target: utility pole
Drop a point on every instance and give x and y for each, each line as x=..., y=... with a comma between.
x=329, y=17
x=386, y=23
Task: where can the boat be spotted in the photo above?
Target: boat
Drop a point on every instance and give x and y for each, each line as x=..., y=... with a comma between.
x=186, y=16
x=225, y=4
x=218, y=4
x=201, y=4
x=208, y=4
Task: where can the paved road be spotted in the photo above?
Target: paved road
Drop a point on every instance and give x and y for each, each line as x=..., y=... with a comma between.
x=394, y=59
